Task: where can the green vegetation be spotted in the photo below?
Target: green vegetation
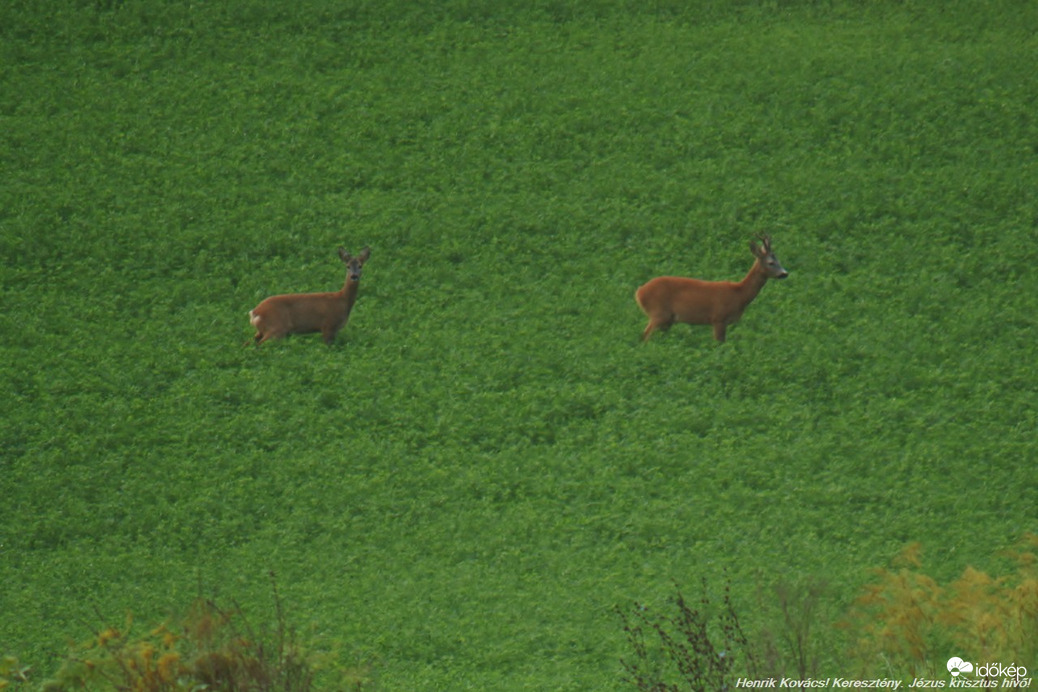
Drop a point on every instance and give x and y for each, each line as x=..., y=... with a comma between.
x=487, y=463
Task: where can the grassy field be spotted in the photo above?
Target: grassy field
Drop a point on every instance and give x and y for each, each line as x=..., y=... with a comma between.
x=488, y=462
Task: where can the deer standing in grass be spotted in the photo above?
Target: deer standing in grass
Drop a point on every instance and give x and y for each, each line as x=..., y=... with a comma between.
x=302, y=313
x=669, y=299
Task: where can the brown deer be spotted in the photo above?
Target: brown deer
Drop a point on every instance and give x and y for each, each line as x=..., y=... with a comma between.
x=669, y=299
x=303, y=313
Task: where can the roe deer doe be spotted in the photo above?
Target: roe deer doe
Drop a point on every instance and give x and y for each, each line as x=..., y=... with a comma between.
x=669, y=299
x=302, y=313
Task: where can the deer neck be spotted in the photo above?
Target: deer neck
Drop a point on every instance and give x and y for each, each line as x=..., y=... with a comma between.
x=349, y=292
x=752, y=283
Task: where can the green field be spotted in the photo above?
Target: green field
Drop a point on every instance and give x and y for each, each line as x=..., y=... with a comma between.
x=488, y=462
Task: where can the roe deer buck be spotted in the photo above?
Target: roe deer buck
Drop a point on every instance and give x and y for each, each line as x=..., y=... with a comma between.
x=302, y=313
x=669, y=299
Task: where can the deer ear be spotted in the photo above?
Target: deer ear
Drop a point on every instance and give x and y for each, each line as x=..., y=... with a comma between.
x=754, y=249
x=364, y=255
x=343, y=255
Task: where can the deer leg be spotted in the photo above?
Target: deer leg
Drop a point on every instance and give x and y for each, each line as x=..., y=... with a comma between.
x=653, y=325
x=267, y=336
x=719, y=331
